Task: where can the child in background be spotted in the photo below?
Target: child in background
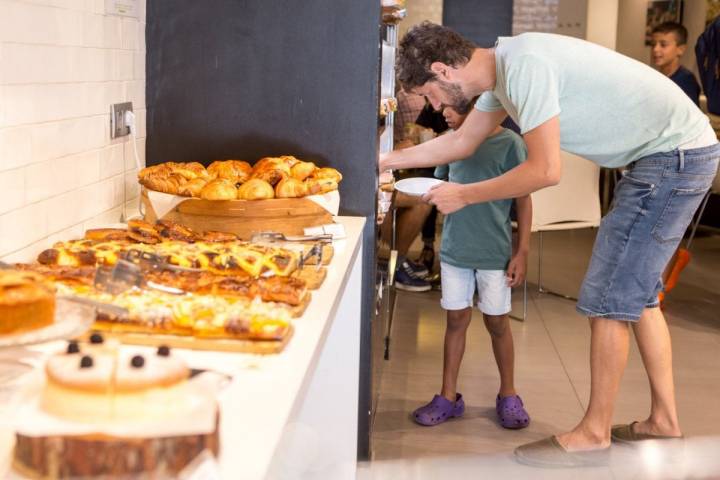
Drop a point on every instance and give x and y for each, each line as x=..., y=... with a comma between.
x=476, y=251
x=669, y=42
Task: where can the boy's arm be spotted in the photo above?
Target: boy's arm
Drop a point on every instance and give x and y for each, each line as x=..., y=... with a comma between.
x=517, y=268
x=446, y=148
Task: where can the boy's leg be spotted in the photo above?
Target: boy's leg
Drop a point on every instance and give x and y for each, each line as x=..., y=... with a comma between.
x=653, y=339
x=498, y=326
x=458, y=289
x=457, y=324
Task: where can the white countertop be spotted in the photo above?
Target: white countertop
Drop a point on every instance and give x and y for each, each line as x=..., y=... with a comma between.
x=257, y=404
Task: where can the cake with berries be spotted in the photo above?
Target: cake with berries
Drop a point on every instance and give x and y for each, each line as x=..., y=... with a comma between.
x=100, y=386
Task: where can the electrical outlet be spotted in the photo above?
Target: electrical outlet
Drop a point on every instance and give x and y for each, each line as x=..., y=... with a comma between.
x=118, y=128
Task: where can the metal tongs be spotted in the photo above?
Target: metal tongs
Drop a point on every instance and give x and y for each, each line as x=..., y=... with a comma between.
x=281, y=237
x=153, y=261
x=315, y=251
x=107, y=308
x=125, y=275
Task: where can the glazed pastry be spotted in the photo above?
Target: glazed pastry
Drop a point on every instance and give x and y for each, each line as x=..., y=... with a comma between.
x=191, y=170
x=143, y=232
x=219, y=189
x=290, y=188
x=104, y=234
x=236, y=171
x=302, y=170
x=255, y=189
x=327, y=173
x=175, y=231
x=220, y=237
x=193, y=187
x=320, y=185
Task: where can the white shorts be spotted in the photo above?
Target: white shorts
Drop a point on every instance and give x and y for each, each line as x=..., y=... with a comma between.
x=458, y=289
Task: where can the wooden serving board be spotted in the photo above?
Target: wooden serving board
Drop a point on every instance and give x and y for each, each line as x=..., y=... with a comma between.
x=75, y=456
x=262, y=347
x=313, y=276
x=244, y=217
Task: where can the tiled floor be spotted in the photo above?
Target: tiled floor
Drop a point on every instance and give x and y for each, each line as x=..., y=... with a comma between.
x=552, y=376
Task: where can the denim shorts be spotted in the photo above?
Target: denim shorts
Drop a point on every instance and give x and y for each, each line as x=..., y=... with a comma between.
x=654, y=203
x=458, y=289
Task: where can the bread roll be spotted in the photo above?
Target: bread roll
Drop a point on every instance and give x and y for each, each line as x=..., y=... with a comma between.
x=327, y=173
x=219, y=189
x=290, y=188
x=193, y=187
x=236, y=171
x=255, y=189
x=302, y=170
x=320, y=185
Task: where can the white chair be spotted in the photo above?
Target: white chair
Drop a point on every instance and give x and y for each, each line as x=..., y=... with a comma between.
x=573, y=203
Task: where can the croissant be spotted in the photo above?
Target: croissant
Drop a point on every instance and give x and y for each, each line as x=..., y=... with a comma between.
x=255, y=189
x=320, y=185
x=219, y=189
x=234, y=170
x=167, y=184
x=327, y=173
x=193, y=187
x=191, y=170
x=290, y=188
x=302, y=170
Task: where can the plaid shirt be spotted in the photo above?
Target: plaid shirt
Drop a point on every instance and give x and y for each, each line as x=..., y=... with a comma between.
x=409, y=107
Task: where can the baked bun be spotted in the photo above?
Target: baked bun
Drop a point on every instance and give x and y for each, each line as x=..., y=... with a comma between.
x=302, y=170
x=255, y=189
x=219, y=189
x=320, y=185
x=290, y=188
x=236, y=171
x=175, y=231
x=327, y=173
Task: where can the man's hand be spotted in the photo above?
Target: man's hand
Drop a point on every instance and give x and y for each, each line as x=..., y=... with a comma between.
x=447, y=197
x=383, y=160
x=517, y=269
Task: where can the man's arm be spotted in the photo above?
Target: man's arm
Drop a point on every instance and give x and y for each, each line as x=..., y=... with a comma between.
x=446, y=148
x=517, y=269
x=543, y=168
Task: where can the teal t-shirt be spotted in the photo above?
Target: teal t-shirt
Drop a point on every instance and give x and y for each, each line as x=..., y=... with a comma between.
x=479, y=236
x=613, y=109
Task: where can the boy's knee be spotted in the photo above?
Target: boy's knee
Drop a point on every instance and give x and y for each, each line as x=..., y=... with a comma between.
x=496, y=325
x=457, y=319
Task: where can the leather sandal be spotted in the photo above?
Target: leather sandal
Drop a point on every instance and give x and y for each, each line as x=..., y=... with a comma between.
x=550, y=454
x=627, y=434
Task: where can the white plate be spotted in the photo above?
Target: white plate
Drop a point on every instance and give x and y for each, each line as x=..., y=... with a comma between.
x=417, y=186
x=71, y=319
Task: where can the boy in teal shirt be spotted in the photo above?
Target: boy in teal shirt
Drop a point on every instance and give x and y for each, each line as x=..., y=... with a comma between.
x=476, y=252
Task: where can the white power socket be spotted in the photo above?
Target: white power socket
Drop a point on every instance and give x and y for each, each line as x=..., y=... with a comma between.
x=118, y=124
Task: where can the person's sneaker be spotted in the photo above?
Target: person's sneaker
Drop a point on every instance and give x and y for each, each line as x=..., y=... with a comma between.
x=427, y=257
x=413, y=269
x=403, y=281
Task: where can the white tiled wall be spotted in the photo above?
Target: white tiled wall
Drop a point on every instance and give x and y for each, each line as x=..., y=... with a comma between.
x=62, y=63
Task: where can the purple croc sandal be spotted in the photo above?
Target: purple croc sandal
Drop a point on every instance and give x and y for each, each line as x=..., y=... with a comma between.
x=439, y=410
x=511, y=412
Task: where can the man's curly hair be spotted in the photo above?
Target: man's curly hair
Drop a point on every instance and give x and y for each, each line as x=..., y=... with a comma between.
x=424, y=44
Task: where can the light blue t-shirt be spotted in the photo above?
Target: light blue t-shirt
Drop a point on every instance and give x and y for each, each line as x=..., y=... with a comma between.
x=613, y=109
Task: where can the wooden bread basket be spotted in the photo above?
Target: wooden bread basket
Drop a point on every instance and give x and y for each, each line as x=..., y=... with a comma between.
x=243, y=217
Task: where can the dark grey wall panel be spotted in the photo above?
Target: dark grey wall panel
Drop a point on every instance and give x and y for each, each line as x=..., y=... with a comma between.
x=482, y=21
x=248, y=78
